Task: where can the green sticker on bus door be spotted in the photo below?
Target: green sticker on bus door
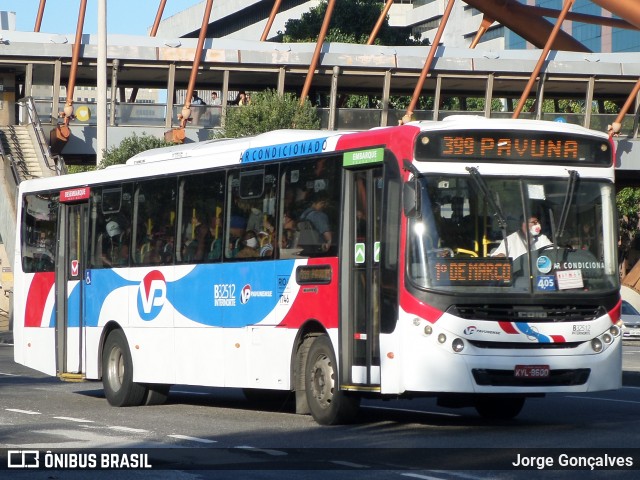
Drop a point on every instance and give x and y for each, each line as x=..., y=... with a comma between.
x=363, y=157
x=359, y=256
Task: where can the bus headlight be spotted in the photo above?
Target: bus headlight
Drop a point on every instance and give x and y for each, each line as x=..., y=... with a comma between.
x=457, y=345
x=607, y=338
x=442, y=338
x=596, y=345
x=614, y=330
x=428, y=330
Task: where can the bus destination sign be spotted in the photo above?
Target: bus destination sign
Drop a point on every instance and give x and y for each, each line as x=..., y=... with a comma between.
x=513, y=146
x=471, y=271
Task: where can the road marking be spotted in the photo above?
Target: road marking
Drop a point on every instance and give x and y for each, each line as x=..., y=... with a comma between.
x=71, y=419
x=349, y=464
x=17, y=410
x=604, y=399
x=193, y=439
x=9, y=374
x=460, y=475
x=424, y=477
x=190, y=393
x=268, y=451
x=128, y=429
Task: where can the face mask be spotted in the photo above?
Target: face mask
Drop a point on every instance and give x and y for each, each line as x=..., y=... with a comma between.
x=535, y=230
x=252, y=242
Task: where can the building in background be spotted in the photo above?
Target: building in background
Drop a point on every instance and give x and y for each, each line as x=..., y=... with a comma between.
x=7, y=20
x=597, y=38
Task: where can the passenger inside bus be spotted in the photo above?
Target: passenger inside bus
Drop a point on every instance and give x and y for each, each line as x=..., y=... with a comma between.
x=155, y=253
x=115, y=245
x=200, y=241
x=316, y=237
x=250, y=245
x=237, y=226
x=265, y=236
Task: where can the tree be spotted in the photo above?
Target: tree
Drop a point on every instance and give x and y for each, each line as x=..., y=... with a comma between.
x=351, y=22
x=129, y=147
x=269, y=111
x=628, y=204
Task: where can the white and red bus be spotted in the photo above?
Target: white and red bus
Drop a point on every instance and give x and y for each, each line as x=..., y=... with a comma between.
x=332, y=266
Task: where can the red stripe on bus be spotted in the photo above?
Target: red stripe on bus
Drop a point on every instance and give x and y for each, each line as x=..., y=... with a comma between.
x=39, y=290
x=508, y=327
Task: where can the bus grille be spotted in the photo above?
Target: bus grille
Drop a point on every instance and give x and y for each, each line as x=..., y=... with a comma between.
x=506, y=378
x=527, y=313
x=525, y=346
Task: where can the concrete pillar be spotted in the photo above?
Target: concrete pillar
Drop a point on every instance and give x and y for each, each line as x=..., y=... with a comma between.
x=7, y=99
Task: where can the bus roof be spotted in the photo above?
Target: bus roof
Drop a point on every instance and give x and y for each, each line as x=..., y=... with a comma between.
x=226, y=147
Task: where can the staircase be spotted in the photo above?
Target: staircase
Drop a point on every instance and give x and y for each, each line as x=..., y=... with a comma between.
x=24, y=154
x=17, y=143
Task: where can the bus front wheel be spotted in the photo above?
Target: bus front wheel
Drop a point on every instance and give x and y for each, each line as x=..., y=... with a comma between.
x=327, y=403
x=117, y=373
x=495, y=407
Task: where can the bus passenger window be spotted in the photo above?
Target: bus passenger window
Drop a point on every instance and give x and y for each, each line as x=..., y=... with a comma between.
x=110, y=229
x=311, y=202
x=154, y=223
x=200, y=213
x=251, y=213
x=39, y=231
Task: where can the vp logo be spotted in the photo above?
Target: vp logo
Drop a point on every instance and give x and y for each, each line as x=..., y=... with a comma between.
x=152, y=294
x=470, y=330
x=245, y=295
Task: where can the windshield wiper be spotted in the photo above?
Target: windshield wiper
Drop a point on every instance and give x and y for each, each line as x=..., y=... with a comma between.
x=488, y=194
x=568, y=198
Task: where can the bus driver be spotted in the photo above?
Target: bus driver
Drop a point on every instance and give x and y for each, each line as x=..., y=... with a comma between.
x=516, y=242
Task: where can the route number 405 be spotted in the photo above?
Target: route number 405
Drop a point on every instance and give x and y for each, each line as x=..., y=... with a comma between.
x=546, y=282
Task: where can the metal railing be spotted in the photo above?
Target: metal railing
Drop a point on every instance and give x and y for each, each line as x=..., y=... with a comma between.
x=210, y=116
x=29, y=116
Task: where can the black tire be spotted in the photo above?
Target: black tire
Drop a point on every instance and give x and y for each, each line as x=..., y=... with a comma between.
x=328, y=404
x=117, y=373
x=157, y=394
x=499, y=408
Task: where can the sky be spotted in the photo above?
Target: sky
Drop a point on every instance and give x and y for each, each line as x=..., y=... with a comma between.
x=132, y=17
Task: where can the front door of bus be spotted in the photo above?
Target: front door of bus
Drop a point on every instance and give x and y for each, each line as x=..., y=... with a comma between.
x=361, y=267
x=70, y=267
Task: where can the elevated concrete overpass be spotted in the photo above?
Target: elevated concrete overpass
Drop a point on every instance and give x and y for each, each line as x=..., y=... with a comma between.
x=33, y=63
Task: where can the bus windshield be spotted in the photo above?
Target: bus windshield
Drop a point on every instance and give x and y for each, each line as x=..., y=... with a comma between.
x=500, y=234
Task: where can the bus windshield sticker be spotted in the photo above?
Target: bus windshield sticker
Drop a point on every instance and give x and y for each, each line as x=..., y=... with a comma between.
x=495, y=272
x=536, y=192
x=569, y=279
x=363, y=157
x=313, y=274
x=546, y=283
x=285, y=150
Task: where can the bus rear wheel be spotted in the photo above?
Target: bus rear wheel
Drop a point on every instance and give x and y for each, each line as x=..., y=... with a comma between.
x=117, y=373
x=327, y=403
x=494, y=407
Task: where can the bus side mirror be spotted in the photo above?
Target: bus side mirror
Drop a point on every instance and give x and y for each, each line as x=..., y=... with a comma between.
x=411, y=199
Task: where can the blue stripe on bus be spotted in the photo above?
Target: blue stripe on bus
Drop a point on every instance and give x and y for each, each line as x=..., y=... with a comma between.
x=223, y=295
x=301, y=148
x=530, y=332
